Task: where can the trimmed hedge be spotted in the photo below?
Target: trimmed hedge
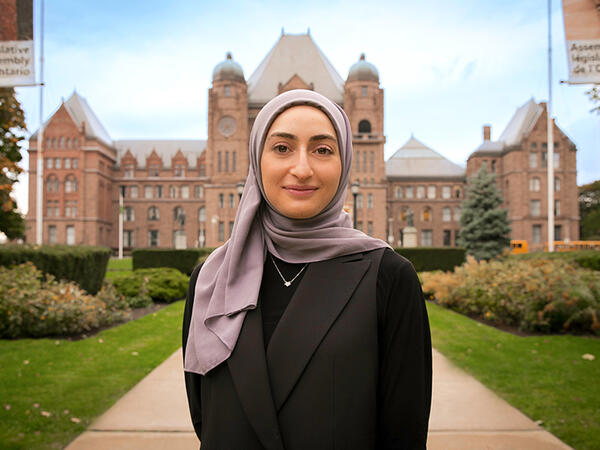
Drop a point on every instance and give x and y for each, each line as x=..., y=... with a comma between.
x=163, y=284
x=85, y=265
x=589, y=259
x=184, y=260
x=425, y=259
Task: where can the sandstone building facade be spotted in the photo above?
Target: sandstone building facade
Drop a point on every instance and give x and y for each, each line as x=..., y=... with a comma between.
x=184, y=193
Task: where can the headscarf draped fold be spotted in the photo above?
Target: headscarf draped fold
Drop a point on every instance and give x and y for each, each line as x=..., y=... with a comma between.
x=229, y=282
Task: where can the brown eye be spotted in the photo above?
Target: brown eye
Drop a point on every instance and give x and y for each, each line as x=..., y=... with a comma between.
x=280, y=148
x=324, y=151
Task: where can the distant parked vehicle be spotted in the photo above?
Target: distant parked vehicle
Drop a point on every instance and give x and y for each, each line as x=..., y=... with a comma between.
x=571, y=246
x=518, y=246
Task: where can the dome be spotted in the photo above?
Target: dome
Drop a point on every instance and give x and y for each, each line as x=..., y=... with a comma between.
x=228, y=70
x=363, y=71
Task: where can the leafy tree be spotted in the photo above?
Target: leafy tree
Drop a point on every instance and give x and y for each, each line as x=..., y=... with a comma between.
x=594, y=95
x=484, y=225
x=589, y=210
x=12, y=128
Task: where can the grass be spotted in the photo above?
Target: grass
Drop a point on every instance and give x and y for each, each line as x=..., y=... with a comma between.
x=77, y=380
x=543, y=376
x=119, y=264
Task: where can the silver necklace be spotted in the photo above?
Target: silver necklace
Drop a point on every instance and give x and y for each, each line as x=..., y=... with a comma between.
x=286, y=282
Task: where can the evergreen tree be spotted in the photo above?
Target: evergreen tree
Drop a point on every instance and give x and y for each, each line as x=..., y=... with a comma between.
x=589, y=211
x=12, y=128
x=484, y=225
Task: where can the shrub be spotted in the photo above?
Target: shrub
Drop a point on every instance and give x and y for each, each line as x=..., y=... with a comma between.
x=544, y=295
x=589, y=259
x=432, y=258
x=184, y=260
x=84, y=265
x=163, y=284
x=32, y=306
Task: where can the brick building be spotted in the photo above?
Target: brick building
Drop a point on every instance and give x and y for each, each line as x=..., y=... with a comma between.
x=184, y=193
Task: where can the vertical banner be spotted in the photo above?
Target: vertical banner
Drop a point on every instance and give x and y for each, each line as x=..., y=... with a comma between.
x=582, y=33
x=16, y=43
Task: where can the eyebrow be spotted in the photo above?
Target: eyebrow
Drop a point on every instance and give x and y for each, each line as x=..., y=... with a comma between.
x=318, y=137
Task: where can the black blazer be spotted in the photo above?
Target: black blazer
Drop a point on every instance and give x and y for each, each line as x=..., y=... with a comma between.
x=317, y=385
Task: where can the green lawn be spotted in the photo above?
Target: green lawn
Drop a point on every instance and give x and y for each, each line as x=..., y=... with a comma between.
x=119, y=264
x=77, y=380
x=543, y=376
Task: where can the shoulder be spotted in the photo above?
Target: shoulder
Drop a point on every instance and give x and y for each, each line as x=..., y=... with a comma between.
x=394, y=266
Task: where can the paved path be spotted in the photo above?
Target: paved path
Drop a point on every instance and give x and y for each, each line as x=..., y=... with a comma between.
x=465, y=415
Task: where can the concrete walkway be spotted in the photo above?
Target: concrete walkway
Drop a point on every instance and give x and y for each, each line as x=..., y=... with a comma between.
x=465, y=415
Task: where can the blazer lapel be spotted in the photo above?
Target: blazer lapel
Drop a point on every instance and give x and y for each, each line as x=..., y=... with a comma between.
x=248, y=368
x=322, y=295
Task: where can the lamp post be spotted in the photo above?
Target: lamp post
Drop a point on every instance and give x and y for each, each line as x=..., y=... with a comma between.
x=121, y=195
x=240, y=189
x=354, y=189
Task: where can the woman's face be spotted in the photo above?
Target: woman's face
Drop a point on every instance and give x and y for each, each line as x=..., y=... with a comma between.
x=300, y=163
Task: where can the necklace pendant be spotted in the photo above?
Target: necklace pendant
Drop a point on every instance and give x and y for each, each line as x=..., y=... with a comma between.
x=287, y=283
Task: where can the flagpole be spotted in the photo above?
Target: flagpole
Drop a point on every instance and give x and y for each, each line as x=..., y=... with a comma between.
x=39, y=207
x=550, y=146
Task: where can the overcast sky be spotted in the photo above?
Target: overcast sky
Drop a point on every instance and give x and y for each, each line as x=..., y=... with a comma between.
x=447, y=68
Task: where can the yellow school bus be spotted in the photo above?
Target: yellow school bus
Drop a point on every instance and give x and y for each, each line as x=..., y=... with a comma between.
x=518, y=246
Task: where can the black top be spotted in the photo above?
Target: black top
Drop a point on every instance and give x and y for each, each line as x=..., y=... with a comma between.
x=404, y=342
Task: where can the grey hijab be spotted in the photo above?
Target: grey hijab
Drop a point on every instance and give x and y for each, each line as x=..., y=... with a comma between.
x=229, y=281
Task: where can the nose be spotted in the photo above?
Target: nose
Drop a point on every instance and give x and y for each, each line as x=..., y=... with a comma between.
x=302, y=168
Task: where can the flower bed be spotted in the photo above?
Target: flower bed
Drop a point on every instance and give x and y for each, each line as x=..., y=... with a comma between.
x=541, y=295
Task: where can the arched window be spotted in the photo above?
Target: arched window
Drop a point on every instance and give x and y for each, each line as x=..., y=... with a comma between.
x=202, y=214
x=364, y=126
x=70, y=184
x=426, y=214
x=178, y=213
x=129, y=214
x=153, y=213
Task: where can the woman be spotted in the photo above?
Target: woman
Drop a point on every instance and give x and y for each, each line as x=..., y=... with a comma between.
x=301, y=332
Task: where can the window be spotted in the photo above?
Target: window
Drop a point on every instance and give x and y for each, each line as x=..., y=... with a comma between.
x=359, y=225
x=75, y=162
x=358, y=161
x=447, y=238
x=173, y=191
x=219, y=162
x=201, y=237
x=153, y=170
x=67, y=163
x=147, y=191
x=457, y=212
x=420, y=191
x=202, y=214
x=49, y=163
x=558, y=232
x=230, y=227
x=61, y=142
x=52, y=234
x=129, y=214
x=153, y=213
x=370, y=228
x=127, y=170
x=426, y=238
x=179, y=239
x=226, y=161
x=427, y=214
x=227, y=90
x=221, y=200
x=365, y=162
x=56, y=209
x=202, y=170
x=359, y=202
x=408, y=191
x=152, y=238
x=537, y=234
x=133, y=191
x=179, y=170
x=233, y=161
x=185, y=191
x=179, y=215
x=370, y=201
x=364, y=91
x=51, y=184
x=364, y=126
x=70, y=235
x=535, y=208
x=159, y=193
x=493, y=165
x=57, y=163
x=556, y=184
x=398, y=191
x=556, y=208
x=128, y=238
x=75, y=143
x=71, y=208
x=68, y=143
x=53, y=143
x=556, y=160
x=70, y=184
x=533, y=160
x=533, y=145
x=457, y=192
x=534, y=184
x=198, y=191
x=50, y=208
x=372, y=158
x=430, y=192
x=221, y=231
x=446, y=192
x=231, y=201
x=446, y=214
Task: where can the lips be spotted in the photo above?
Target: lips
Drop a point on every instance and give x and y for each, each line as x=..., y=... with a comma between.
x=300, y=190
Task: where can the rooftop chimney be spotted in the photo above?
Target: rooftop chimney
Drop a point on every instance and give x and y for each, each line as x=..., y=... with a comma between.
x=487, y=132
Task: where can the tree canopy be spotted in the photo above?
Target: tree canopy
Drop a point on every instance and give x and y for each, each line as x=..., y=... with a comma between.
x=12, y=131
x=589, y=211
x=484, y=225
